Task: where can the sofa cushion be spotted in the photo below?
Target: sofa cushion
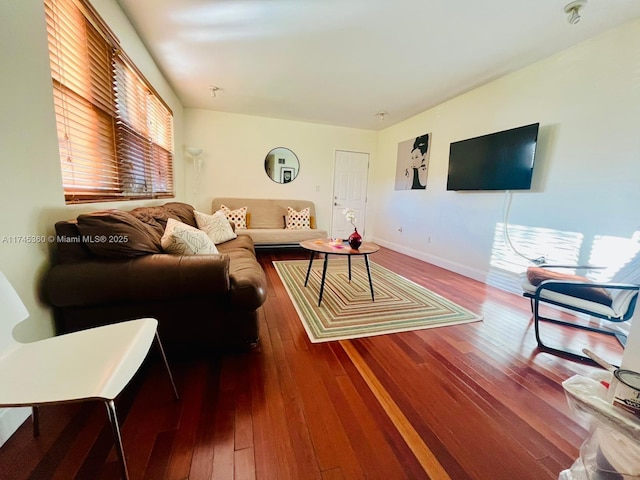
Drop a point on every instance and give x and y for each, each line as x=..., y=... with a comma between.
x=216, y=226
x=182, y=239
x=241, y=242
x=298, y=220
x=183, y=211
x=237, y=216
x=155, y=217
x=282, y=236
x=117, y=234
x=266, y=214
x=537, y=275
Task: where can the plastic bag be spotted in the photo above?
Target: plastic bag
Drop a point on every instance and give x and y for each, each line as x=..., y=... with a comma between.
x=612, y=449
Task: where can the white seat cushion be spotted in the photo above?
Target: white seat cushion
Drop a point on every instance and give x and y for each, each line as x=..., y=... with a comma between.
x=571, y=301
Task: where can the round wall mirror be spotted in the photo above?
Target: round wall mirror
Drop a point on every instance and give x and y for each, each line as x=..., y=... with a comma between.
x=281, y=165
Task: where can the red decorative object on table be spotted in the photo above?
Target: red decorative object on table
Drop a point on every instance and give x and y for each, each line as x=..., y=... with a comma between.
x=355, y=240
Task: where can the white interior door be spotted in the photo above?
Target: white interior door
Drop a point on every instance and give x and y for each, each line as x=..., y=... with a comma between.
x=349, y=191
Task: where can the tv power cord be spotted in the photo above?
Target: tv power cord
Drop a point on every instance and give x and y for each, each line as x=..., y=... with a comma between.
x=541, y=260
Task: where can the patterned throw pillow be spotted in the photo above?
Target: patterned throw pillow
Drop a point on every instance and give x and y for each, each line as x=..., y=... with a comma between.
x=237, y=216
x=180, y=238
x=216, y=226
x=298, y=220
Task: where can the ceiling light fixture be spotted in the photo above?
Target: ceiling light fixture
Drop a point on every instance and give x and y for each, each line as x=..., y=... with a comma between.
x=381, y=115
x=573, y=11
x=213, y=91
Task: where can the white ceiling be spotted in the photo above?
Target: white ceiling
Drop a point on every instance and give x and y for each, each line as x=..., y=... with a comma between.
x=338, y=62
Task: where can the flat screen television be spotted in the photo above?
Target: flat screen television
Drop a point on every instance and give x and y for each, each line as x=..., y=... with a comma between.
x=497, y=161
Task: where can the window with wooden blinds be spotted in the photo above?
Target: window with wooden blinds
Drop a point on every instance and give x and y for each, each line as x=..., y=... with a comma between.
x=115, y=132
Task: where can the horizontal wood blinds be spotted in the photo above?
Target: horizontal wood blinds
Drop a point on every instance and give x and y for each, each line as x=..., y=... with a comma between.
x=115, y=133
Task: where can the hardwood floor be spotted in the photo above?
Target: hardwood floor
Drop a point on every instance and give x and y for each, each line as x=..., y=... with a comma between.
x=474, y=401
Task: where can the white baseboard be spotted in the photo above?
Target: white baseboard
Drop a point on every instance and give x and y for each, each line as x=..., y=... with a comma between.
x=10, y=420
x=440, y=262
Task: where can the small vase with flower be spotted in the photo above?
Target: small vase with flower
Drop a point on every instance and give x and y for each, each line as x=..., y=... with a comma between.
x=355, y=239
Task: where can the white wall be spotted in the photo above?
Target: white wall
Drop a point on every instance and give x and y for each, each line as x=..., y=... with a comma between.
x=31, y=196
x=587, y=101
x=235, y=147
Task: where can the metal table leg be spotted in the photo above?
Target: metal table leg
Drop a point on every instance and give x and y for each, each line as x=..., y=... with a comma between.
x=366, y=261
x=324, y=274
x=306, y=280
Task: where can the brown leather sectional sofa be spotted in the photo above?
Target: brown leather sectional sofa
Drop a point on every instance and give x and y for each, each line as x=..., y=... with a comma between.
x=109, y=266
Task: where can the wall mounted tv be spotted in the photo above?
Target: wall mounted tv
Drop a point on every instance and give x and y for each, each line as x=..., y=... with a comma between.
x=498, y=161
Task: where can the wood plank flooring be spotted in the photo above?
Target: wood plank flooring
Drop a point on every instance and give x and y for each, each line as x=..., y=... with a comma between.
x=467, y=402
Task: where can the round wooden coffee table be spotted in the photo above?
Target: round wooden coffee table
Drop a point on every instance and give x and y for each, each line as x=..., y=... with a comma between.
x=328, y=247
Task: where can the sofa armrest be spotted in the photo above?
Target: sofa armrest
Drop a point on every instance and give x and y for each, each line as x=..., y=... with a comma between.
x=248, y=283
x=159, y=277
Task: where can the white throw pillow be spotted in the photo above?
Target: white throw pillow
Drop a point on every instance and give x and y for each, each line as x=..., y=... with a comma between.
x=183, y=239
x=216, y=226
x=237, y=216
x=298, y=220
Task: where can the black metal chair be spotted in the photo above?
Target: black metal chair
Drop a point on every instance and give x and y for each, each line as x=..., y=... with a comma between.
x=613, y=301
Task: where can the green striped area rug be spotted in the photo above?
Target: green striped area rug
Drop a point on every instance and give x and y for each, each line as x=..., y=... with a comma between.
x=347, y=310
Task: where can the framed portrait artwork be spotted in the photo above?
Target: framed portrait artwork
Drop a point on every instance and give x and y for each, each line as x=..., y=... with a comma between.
x=286, y=174
x=413, y=163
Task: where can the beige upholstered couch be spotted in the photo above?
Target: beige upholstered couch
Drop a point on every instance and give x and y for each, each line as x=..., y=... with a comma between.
x=266, y=220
